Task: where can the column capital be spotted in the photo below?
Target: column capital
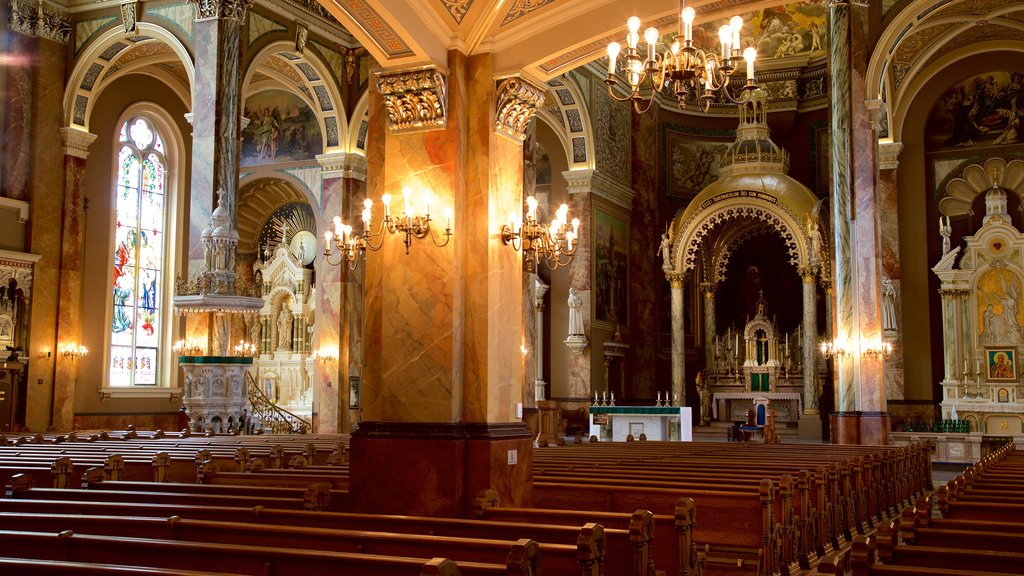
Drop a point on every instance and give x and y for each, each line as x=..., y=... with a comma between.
x=578, y=180
x=947, y=293
x=675, y=279
x=40, y=20
x=708, y=289
x=517, y=103
x=539, y=290
x=343, y=165
x=77, y=142
x=889, y=154
x=808, y=274
x=875, y=110
x=414, y=99
x=227, y=9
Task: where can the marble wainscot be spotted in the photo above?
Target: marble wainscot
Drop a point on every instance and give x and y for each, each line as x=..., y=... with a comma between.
x=614, y=423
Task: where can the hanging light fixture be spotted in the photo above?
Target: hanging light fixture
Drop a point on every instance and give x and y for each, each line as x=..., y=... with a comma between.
x=542, y=242
x=686, y=70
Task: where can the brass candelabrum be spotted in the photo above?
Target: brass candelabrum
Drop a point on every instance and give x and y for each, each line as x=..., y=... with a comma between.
x=539, y=241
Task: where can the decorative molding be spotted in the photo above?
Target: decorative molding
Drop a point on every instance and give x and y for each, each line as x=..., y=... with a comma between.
x=875, y=110
x=414, y=100
x=518, y=102
x=77, y=142
x=521, y=8
x=23, y=213
x=675, y=280
x=301, y=36
x=578, y=181
x=233, y=10
x=612, y=190
x=129, y=17
x=205, y=9
x=889, y=154
x=457, y=8
x=40, y=20
x=343, y=165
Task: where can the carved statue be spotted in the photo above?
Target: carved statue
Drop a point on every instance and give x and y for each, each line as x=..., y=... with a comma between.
x=888, y=304
x=284, y=329
x=665, y=249
x=575, y=313
x=704, y=389
x=945, y=230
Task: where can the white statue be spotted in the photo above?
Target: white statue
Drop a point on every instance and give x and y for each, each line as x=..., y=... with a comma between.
x=945, y=230
x=888, y=304
x=575, y=313
x=284, y=329
x=665, y=249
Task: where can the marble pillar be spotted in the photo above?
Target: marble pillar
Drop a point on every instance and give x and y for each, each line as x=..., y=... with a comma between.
x=539, y=385
x=69, y=308
x=709, y=326
x=950, y=336
x=844, y=257
x=809, y=276
x=968, y=355
x=443, y=375
x=581, y=206
x=678, y=340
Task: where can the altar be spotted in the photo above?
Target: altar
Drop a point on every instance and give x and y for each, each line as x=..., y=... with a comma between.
x=614, y=423
x=788, y=405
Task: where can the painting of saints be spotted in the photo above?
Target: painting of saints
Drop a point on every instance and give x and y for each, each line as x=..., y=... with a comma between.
x=1001, y=365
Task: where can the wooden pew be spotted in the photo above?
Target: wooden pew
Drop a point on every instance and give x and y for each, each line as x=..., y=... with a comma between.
x=26, y=567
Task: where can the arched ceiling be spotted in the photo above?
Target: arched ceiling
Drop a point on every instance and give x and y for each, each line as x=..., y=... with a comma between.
x=257, y=200
x=542, y=38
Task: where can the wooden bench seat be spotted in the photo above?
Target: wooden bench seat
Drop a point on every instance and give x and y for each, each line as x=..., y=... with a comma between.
x=26, y=567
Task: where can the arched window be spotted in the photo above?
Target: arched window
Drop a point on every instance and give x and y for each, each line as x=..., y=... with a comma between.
x=139, y=305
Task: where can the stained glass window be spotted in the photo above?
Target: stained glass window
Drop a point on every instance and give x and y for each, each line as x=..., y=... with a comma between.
x=138, y=255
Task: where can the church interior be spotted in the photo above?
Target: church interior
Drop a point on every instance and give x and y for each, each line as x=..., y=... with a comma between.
x=460, y=250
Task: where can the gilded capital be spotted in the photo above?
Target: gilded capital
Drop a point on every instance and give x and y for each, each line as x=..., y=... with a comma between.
x=675, y=280
x=415, y=99
x=518, y=101
x=808, y=274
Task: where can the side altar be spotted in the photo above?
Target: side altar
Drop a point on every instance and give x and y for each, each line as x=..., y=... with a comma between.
x=614, y=423
x=982, y=291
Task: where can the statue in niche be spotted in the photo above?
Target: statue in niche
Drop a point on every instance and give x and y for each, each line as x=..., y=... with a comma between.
x=704, y=390
x=575, y=313
x=888, y=304
x=284, y=329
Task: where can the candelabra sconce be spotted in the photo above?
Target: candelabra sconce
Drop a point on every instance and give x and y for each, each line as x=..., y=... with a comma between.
x=684, y=69
x=878, y=350
x=244, y=348
x=547, y=242
x=187, y=348
x=835, y=349
x=324, y=357
x=411, y=225
x=74, y=351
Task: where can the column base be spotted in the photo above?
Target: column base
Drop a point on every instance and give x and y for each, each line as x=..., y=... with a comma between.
x=860, y=427
x=809, y=427
x=436, y=469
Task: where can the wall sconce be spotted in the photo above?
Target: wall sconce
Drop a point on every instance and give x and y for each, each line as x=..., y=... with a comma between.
x=878, y=350
x=410, y=224
x=74, y=351
x=542, y=241
x=244, y=348
x=833, y=348
x=324, y=357
x=189, y=348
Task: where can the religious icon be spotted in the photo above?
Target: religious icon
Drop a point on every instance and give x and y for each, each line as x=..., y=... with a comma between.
x=353, y=393
x=1001, y=364
x=1003, y=395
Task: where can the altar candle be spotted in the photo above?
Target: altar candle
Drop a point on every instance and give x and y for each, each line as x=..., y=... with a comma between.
x=965, y=365
x=604, y=395
x=977, y=366
x=613, y=396
x=737, y=342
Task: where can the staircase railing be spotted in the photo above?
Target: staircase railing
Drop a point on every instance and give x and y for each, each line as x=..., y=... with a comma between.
x=270, y=415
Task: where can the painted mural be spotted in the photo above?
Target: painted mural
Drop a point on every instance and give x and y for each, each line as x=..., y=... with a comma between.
x=610, y=268
x=1000, y=308
x=690, y=164
x=777, y=31
x=282, y=128
x=984, y=110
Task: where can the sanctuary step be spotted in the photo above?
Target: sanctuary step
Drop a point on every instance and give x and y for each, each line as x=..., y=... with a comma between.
x=718, y=432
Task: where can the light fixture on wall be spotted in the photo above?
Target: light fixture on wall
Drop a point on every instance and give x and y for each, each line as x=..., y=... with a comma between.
x=74, y=351
x=684, y=68
x=325, y=357
x=244, y=348
x=411, y=224
x=835, y=349
x=538, y=241
x=191, y=347
x=877, y=349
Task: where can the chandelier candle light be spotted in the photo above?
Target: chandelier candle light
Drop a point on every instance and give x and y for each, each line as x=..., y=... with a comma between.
x=683, y=67
x=542, y=241
x=351, y=246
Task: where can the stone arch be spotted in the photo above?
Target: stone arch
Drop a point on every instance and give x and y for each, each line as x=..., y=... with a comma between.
x=262, y=192
x=315, y=86
x=95, y=62
x=976, y=179
x=359, y=127
x=566, y=113
x=731, y=206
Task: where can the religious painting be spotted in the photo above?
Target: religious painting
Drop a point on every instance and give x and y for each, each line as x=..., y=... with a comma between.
x=690, y=165
x=1002, y=365
x=611, y=239
x=282, y=128
x=777, y=31
x=636, y=429
x=983, y=110
x=999, y=308
x=1002, y=395
x=353, y=393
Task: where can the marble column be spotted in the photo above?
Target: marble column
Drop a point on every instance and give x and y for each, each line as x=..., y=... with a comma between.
x=539, y=385
x=966, y=342
x=949, y=334
x=69, y=327
x=678, y=340
x=215, y=115
x=844, y=257
x=338, y=328
x=888, y=162
x=581, y=206
x=444, y=374
x=809, y=276
x=709, y=328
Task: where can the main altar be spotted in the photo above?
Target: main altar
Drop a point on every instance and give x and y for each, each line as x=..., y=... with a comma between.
x=615, y=423
x=983, y=310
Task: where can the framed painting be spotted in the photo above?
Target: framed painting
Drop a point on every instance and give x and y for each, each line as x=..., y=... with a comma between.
x=1002, y=364
x=611, y=240
x=1003, y=395
x=353, y=393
